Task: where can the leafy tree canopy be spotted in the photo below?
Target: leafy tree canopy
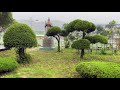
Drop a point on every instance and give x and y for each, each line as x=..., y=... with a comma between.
x=81, y=44
x=20, y=36
x=53, y=31
x=81, y=25
x=6, y=19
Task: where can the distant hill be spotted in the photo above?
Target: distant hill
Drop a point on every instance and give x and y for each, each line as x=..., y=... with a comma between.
x=39, y=27
x=100, y=24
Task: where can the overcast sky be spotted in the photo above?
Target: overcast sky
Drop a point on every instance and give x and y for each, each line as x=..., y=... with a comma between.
x=95, y=17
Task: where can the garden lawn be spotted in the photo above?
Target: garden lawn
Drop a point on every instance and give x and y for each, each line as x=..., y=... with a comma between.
x=46, y=64
x=52, y=64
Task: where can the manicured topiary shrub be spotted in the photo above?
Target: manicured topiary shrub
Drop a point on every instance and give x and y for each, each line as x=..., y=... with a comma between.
x=81, y=44
x=97, y=38
x=75, y=45
x=90, y=38
x=103, y=51
x=55, y=32
x=20, y=36
x=100, y=38
x=81, y=25
x=98, y=69
x=8, y=64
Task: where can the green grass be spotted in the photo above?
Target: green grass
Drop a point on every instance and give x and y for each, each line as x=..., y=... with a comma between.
x=47, y=64
x=108, y=57
x=51, y=64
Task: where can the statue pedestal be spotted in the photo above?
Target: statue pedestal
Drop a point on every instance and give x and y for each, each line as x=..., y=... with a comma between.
x=48, y=43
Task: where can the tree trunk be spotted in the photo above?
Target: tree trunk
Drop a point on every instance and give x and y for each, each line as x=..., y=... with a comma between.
x=83, y=35
x=78, y=51
x=112, y=44
x=58, y=39
x=58, y=45
x=96, y=47
x=82, y=53
x=92, y=48
x=82, y=50
x=104, y=47
x=21, y=51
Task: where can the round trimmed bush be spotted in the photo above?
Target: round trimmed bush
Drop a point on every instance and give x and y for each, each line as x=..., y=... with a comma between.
x=75, y=45
x=8, y=64
x=55, y=32
x=20, y=36
x=81, y=44
x=70, y=27
x=90, y=38
x=99, y=38
x=98, y=69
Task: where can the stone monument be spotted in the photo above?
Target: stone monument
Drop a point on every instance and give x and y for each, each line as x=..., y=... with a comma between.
x=48, y=42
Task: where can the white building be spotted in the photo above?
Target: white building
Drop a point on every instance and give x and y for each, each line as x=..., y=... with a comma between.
x=114, y=39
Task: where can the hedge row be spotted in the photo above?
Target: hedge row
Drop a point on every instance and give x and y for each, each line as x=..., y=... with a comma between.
x=8, y=64
x=98, y=69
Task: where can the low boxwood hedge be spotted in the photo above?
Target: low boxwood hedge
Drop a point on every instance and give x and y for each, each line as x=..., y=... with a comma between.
x=98, y=69
x=8, y=64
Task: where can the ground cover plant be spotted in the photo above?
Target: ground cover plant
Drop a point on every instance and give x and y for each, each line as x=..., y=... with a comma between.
x=98, y=69
x=7, y=64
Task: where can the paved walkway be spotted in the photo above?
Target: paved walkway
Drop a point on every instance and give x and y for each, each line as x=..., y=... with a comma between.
x=2, y=46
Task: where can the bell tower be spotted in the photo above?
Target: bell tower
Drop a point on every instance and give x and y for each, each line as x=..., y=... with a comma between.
x=48, y=42
x=48, y=25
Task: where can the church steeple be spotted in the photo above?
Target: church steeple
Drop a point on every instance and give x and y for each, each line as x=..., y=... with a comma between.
x=49, y=21
x=48, y=24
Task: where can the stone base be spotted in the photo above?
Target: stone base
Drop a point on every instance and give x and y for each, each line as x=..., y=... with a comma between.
x=47, y=48
x=48, y=42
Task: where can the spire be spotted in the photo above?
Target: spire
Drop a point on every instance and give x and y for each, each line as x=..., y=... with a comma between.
x=45, y=24
x=48, y=23
x=48, y=19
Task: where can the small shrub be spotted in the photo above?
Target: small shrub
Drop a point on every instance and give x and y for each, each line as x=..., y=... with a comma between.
x=90, y=38
x=99, y=38
x=7, y=64
x=66, y=42
x=115, y=51
x=24, y=58
x=75, y=45
x=81, y=44
x=103, y=52
x=98, y=69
